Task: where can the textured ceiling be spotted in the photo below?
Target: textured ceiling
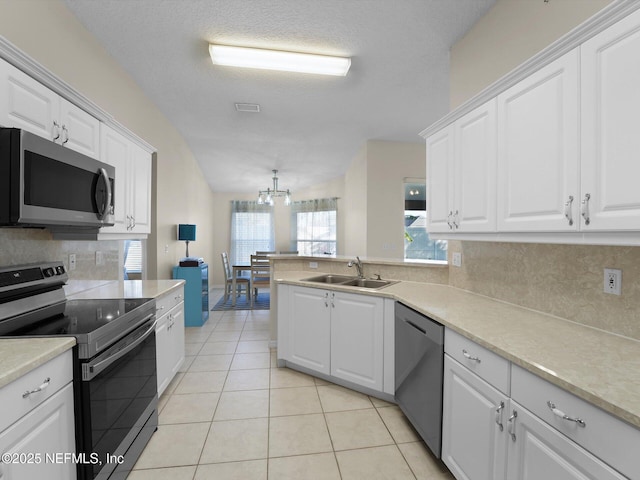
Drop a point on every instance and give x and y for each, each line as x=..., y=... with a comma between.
x=309, y=127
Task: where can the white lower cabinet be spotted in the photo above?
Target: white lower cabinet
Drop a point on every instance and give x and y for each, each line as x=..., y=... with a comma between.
x=334, y=333
x=511, y=424
x=474, y=445
x=537, y=451
x=169, y=337
x=40, y=439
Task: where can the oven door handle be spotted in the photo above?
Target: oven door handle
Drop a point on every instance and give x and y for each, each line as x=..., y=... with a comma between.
x=94, y=369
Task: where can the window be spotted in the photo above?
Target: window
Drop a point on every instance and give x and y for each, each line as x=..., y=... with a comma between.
x=313, y=226
x=417, y=244
x=251, y=230
x=132, y=259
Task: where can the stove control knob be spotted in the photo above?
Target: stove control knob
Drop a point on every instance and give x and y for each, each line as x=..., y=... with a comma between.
x=49, y=272
x=59, y=270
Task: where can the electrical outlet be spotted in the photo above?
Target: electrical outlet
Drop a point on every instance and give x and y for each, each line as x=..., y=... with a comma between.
x=456, y=259
x=72, y=261
x=313, y=264
x=99, y=258
x=613, y=281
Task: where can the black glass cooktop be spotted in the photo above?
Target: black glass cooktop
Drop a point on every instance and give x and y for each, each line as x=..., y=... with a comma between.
x=82, y=317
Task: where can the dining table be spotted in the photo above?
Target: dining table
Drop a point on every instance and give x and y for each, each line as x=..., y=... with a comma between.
x=238, y=271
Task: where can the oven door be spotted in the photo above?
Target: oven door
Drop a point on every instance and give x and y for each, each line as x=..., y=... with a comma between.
x=116, y=404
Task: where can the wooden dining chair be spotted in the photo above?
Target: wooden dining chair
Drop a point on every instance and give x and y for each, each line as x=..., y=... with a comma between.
x=260, y=274
x=241, y=282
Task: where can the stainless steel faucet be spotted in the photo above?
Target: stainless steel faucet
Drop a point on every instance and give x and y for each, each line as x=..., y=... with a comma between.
x=358, y=265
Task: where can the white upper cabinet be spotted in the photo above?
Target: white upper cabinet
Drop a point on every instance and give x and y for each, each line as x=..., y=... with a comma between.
x=475, y=170
x=133, y=184
x=461, y=164
x=610, y=64
x=538, y=150
x=26, y=103
x=440, y=175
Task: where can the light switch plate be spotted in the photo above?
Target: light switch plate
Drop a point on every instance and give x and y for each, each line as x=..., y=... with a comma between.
x=456, y=259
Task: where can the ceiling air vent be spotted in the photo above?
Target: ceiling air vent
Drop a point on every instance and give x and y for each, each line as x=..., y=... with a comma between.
x=248, y=107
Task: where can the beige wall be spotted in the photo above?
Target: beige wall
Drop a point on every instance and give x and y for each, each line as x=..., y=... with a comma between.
x=389, y=163
x=355, y=215
x=49, y=33
x=563, y=280
x=510, y=33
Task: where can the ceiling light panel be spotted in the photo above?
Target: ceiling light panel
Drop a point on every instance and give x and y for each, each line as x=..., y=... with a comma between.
x=248, y=107
x=278, y=60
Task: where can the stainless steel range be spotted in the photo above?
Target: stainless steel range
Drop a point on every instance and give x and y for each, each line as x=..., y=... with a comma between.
x=115, y=384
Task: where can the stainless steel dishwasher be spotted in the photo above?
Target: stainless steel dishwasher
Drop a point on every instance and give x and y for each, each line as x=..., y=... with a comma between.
x=419, y=359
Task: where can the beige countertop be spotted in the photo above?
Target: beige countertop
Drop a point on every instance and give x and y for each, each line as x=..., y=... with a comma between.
x=599, y=367
x=18, y=356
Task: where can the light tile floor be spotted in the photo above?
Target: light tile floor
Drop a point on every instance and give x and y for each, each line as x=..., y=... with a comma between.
x=232, y=414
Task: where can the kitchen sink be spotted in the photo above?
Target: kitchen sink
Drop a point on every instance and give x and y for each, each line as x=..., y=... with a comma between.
x=367, y=283
x=349, y=281
x=330, y=278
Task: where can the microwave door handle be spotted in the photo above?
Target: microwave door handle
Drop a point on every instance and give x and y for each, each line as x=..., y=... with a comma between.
x=93, y=369
x=105, y=206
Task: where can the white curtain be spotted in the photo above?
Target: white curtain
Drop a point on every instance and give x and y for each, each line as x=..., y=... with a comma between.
x=252, y=229
x=314, y=226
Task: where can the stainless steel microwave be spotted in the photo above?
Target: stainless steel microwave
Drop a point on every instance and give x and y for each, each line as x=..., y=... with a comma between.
x=43, y=184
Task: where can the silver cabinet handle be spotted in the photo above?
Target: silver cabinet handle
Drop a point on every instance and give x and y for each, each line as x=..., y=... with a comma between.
x=469, y=357
x=178, y=297
x=456, y=223
x=333, y=296
x=44, y=385
x=560, y=414
x=326, y=299
x=449, y=220
x=56, y=127
x=568, y=210
x=66, y=136
x=499, y=416
x=512, y=425
x=585, y=208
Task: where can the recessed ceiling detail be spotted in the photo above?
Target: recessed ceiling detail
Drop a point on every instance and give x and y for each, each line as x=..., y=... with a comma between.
x=248, y=107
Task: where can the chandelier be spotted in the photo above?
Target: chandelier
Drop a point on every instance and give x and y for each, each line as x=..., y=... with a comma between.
x=266, y=196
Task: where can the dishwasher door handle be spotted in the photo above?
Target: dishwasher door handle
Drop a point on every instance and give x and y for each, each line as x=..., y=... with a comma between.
x=420, y=329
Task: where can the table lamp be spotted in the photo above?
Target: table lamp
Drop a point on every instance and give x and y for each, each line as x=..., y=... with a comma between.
x=187, y=232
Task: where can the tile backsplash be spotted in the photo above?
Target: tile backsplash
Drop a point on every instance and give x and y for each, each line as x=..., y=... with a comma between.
x=29, y=245
x=562, y=280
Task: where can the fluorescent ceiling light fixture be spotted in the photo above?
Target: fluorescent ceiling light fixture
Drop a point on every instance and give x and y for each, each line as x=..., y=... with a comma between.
x=278, y=60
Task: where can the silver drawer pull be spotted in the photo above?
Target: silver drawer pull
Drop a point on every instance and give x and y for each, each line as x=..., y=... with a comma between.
x=44, y=385
x=499, y=415
x=564, y=416
x=512, y=425
x=469, y=357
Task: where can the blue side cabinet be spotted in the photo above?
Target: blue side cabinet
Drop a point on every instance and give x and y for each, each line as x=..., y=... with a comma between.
x=196, y=293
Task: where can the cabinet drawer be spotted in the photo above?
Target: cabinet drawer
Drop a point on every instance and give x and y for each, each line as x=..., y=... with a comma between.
x=487, y=365
x=604, y=435
x=58, y=370
x=169, y=300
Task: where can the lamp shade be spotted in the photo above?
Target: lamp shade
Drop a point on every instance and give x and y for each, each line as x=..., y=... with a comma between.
x=187, y=232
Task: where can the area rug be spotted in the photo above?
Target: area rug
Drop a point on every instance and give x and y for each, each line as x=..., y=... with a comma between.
x=261, y=302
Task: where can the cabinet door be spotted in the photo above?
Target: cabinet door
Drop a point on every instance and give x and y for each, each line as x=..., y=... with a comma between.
x=46, y=430
x=440, y=170
x=163, y=347
x=27, y=104
x=140, y=190
x=474, y=444
x=80, y=131
x=539, y=451
x=357, y=326
x=610, y=142
x=176, y=338
x=115, y=151
x=538, y=150
x=309, y=328
x=474, y=206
